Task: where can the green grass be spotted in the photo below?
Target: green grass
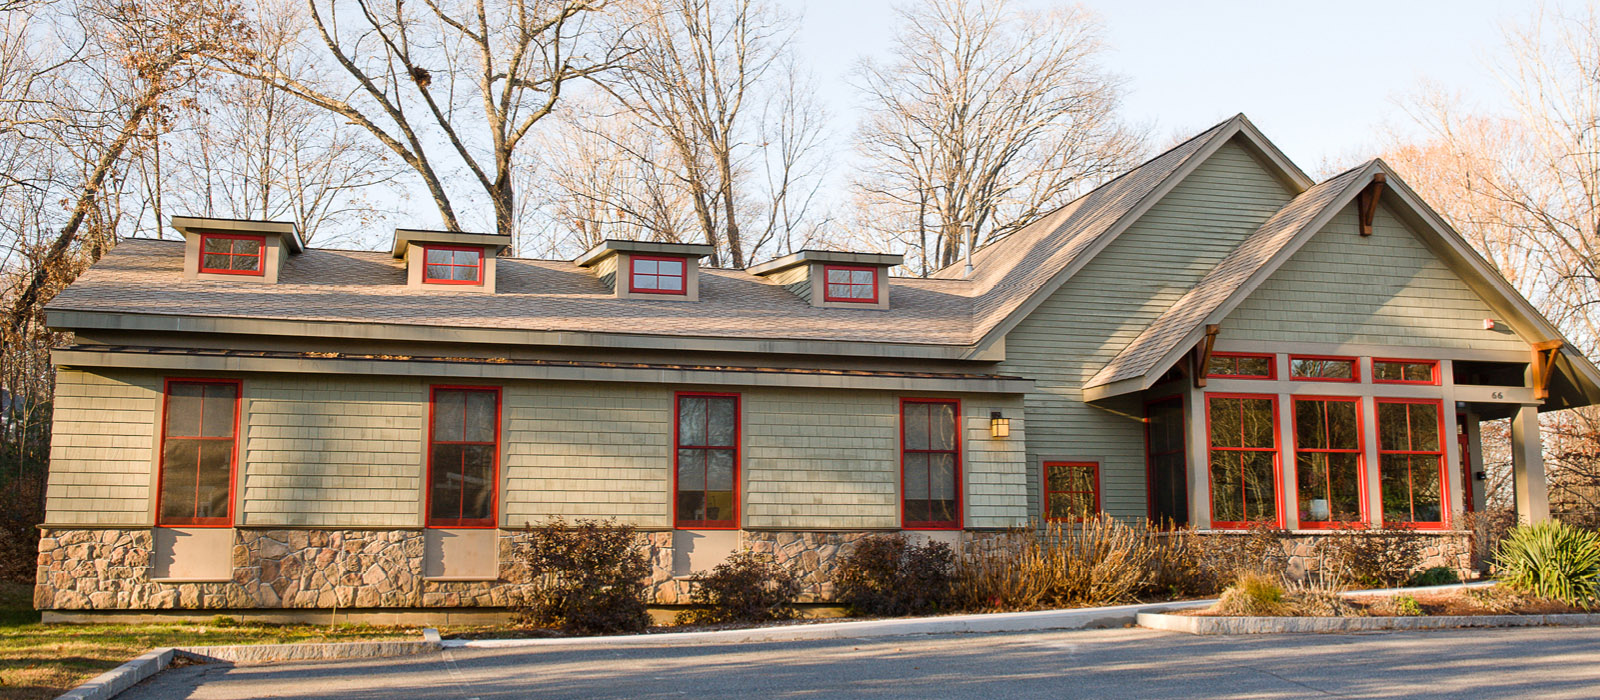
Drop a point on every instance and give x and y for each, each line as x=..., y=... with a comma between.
x=39, y=661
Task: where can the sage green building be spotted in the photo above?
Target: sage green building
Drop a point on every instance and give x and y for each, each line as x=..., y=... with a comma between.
x=1214, y=339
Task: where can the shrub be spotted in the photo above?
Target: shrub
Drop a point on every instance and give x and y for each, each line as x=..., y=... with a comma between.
x=1252, y=595
x=1552, y=560
x=1435, y=576
x=1099, y=561
x=588, y=578
x=1373, y=558
x=748, y=587
x=887, y=575
x=1404, y=604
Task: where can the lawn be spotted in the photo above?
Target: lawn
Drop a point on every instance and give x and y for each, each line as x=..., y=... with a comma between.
x=39, y=661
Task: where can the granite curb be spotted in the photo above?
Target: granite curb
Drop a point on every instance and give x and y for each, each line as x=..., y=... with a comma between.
x=1194, y=624
x=110, y=683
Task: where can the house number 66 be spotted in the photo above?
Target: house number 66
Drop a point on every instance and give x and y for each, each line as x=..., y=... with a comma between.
x=1497, y=395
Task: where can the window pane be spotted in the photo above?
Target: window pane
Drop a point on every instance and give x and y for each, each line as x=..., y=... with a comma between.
x=691, y=420
x=644, y=267
x=1426, y=491
x=719, y=506
x=670, y=284
x=1344, y=430
x=916, y=426
x=437, y=272
x=1260, y=491
x=916, y=476
x=839, y=290
x=645, y=281
x=180, y=462
x=671, y=268
x=1225, y=420
x=1257, y=423
x=1220, y=365
x=1392, y=427
x=1394, y=477
x=1255, y=366
x=691, y=470
x=837, y=276
x=216, y=418
x=247, y=263
x=1311, y=477
x=1418, y=372
x=719, y=470
x=943, y=431
x=1344, y=490
x=862, y=277
x=1227, y=495
x=480, y=423
x=1311, y=425
x=446, y=488
x=1321, y=369
x=477, y=482
x=215, y=244
x=1424, y=427
x=464, y=273
x=724, y=421
x=183, y=408
x=449, y=411
x=437, y=256
x=942, y=476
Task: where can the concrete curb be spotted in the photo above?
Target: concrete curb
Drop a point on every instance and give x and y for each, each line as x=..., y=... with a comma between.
x=1324, y=625
x=1079, y=618
x=110, y=683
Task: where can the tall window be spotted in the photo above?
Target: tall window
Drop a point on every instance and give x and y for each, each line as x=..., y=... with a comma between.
x=1244, y=459
x=230, y=254
x=1168, y=476
x=463, y=456
x=1327, y=455
x=1071, y=491
x=657, y=275
x=442, y=265
x=1225, y=365
x=1411, y=461
x=198, y=443
x=930, y=464
x=852, y=284
x=708, y=460
x=1405, y=371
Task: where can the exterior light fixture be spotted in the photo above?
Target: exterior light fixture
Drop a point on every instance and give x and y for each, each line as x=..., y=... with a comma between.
x=999, y=425
x=1488, y=324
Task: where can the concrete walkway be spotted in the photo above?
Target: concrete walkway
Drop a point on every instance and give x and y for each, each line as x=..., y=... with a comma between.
x=1120, y=663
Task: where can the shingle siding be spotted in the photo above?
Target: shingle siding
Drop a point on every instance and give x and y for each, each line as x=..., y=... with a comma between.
x=1385, y=289
x=102, y=447
x=1110, y=301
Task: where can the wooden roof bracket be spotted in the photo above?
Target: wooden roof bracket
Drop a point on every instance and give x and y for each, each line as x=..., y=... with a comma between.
x=1201, y=357
x=1544, y=362
x=1367, y=202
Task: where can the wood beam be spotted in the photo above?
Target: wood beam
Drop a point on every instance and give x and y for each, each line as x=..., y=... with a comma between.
x=1544, y=363
x=1367, y=202
x=1201, y=357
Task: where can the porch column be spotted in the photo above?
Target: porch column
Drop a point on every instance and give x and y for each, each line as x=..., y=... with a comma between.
x=1527, y=466
x=1474, y=487
x=1199, y=461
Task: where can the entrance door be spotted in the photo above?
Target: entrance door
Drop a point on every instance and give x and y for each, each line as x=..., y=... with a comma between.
x=1165, y=470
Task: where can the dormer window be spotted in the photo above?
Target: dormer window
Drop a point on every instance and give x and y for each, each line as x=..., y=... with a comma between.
x=451, y=265
x=856, y=285
x=657, y=275
x=233, y=254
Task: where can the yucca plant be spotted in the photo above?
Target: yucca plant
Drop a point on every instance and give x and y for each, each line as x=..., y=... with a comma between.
x=1553, y=560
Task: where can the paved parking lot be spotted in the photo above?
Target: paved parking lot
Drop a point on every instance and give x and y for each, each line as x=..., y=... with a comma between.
x=1121, y=663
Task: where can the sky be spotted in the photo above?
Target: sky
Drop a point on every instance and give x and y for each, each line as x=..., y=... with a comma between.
x=1322, y=80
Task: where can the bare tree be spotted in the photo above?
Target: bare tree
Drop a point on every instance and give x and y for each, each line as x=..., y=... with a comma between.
x=475, y=74
x=985, y=117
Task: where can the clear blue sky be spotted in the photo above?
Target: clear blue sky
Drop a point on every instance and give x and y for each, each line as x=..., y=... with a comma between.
x=1318, y=78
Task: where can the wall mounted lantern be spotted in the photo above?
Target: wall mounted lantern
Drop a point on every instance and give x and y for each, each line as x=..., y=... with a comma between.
x=999, y=425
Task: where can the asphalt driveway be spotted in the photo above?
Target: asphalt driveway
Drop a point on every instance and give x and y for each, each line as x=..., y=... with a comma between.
x=1121, y=663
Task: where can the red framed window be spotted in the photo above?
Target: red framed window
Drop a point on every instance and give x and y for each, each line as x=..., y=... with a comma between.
x=1166, y=462
x=233, y=254
x=1405, y=371
x=1313, y=368
x=199, y=447
x=452, y=265
x=1329, y=472
x=858, y=285
x=1233, y=365
x=463, y=456
x=706, y=461
x=657, y=275
x=1411, y=466
x=930, y=464
x=1071, y=491
x=1242, y=434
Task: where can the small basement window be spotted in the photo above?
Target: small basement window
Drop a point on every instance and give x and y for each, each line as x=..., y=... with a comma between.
x=233, y=254
x=1405, y=371
x=653, y=275
x=1323, y=369
x=851, y=284
x=446, y=265
x=1489, y=373
x=1240, y=366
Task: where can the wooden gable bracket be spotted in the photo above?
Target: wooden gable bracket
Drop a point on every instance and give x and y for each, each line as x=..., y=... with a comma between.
x=1201, y=357
x=1367, y=202
x=1544, y=362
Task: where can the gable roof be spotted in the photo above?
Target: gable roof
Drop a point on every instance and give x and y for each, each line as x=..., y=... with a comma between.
x=1171, y=336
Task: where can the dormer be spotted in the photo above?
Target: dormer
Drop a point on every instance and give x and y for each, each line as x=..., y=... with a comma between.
x=647, y=269
x=236, y=250
x=449, y=260
x=833, y=280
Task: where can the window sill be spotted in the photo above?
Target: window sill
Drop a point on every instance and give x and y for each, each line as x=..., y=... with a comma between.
x=461, y=579
x=192, y=580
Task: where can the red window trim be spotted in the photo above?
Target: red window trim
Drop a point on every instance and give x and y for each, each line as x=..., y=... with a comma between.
x=683, y=278
x=478, y=275
x=1277, y=459
x=738, y=454
x=1361, y=465
x=261, y=254
x=1355, y=369
x=1442, y=453
x=957, y=524
x=1149, y=454
x=233, y=459
x=1272, y=366
x=1433, y=370
x=827, y=296
x=494, y=494
x=1045, y=479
